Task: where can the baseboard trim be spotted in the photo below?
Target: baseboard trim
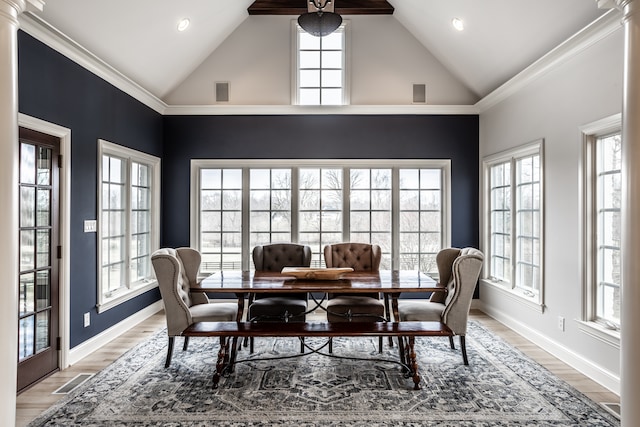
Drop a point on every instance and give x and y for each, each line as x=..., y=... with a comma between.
x=596, y=373
x=81, y=351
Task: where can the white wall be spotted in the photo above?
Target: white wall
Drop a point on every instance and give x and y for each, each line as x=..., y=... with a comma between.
x=586, y=88
x=385, y=59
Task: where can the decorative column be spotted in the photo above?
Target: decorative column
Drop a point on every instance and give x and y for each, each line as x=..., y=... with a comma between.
x=9, y=12
x=630, y=317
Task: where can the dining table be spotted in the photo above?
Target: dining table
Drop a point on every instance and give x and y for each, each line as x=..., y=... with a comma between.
x=391, y=284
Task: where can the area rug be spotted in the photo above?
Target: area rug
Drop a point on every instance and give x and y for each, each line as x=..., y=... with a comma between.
x=500, y=387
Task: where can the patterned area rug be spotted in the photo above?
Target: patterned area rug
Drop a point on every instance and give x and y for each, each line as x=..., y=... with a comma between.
x=500, y=387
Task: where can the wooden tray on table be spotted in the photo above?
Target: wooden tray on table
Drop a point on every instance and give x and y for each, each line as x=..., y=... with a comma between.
x=310, y=273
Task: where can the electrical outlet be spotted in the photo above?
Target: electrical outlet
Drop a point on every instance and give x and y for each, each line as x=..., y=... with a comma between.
x=87, y=319
x=561, y=323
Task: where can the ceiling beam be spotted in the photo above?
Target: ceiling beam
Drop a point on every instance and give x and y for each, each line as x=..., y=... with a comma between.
x=342, y=7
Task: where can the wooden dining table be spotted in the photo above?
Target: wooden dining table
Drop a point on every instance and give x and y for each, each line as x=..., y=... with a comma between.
x=390, y=283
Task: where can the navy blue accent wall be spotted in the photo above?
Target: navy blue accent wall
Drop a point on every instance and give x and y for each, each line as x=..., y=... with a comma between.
x=55, y=89
x=322, y=137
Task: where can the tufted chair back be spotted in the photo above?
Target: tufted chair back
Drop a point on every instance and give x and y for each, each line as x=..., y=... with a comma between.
x=359, y=256
x=176, y=270
x=463, y=277
x=278, y=255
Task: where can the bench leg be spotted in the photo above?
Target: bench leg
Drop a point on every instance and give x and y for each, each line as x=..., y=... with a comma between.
x=222, y=360
x=414, y=363
x=169, y=352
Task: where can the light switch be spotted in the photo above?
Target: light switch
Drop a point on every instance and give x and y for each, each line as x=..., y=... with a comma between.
x=90, y=226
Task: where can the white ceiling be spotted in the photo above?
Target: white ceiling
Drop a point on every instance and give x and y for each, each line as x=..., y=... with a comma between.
x=139, y=38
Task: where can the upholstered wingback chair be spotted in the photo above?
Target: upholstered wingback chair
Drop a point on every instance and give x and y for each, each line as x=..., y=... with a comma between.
x=459, y=270
x=360, y=307
x=176, y=271
x=272, y=306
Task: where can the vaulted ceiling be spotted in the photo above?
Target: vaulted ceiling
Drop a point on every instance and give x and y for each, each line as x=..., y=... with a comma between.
x=139, y=38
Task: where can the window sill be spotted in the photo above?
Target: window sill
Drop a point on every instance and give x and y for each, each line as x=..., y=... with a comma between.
x=531, y=302
x=108, y=303
x=596, y=330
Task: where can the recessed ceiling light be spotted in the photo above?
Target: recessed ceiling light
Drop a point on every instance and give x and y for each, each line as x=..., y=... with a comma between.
x=183, y=24
x=458, y=24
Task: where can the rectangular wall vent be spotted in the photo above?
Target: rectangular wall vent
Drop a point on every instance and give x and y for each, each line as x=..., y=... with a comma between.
x=222, y=91
x=419, y=93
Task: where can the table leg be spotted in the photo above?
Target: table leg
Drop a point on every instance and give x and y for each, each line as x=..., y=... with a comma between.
x=396, y=317
x=234, y=340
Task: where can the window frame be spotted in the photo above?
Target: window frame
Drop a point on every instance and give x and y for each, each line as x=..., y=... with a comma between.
x=128, y=155
x=346, y=165
x=528, y=298
x=589, y=322
x=345, y=27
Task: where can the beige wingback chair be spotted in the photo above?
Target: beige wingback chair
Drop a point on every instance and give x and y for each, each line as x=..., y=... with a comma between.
x=274, y=307
x=459, y=270
x=361, y=307
x=176, y=270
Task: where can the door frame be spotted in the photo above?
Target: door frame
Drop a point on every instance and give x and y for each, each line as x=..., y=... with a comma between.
x=64, y=134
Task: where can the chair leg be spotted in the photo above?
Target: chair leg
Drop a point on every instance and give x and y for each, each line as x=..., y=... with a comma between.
x=301, y=344
x=169, y=352
x=186, y=344
x=330, y=345
x=463, y=347
x=380, y=344
x=251, y=345
x=453, y=346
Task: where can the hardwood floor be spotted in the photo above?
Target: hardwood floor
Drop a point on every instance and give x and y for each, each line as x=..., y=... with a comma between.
x=39, y=397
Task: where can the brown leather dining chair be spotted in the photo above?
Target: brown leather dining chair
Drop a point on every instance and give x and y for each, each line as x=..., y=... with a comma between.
x=356, y=307
x=290, y=307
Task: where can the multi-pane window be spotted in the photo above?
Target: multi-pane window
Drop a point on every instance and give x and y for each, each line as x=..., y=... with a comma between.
x=270, y=205
x=221, y=218
x=370, y=209
x=420, y=226
x=129, y=216
x=320, y=209
x=603, y=228
x=317, y=203
x=320, y=69
x=513, y=221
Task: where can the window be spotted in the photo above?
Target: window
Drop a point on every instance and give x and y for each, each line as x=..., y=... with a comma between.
x=513, y=221
x=320, y=68
x=129, y=223
x=400, y=205
x=602, y=225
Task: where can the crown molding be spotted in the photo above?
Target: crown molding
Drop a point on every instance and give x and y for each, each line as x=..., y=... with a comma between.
x=588, y=36
x=221, y=110
x=47, y=34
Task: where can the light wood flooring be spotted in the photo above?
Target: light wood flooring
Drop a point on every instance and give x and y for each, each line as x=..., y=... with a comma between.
x=39, y=397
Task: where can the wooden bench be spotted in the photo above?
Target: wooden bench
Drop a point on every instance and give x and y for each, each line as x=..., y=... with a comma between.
x=407, y=329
